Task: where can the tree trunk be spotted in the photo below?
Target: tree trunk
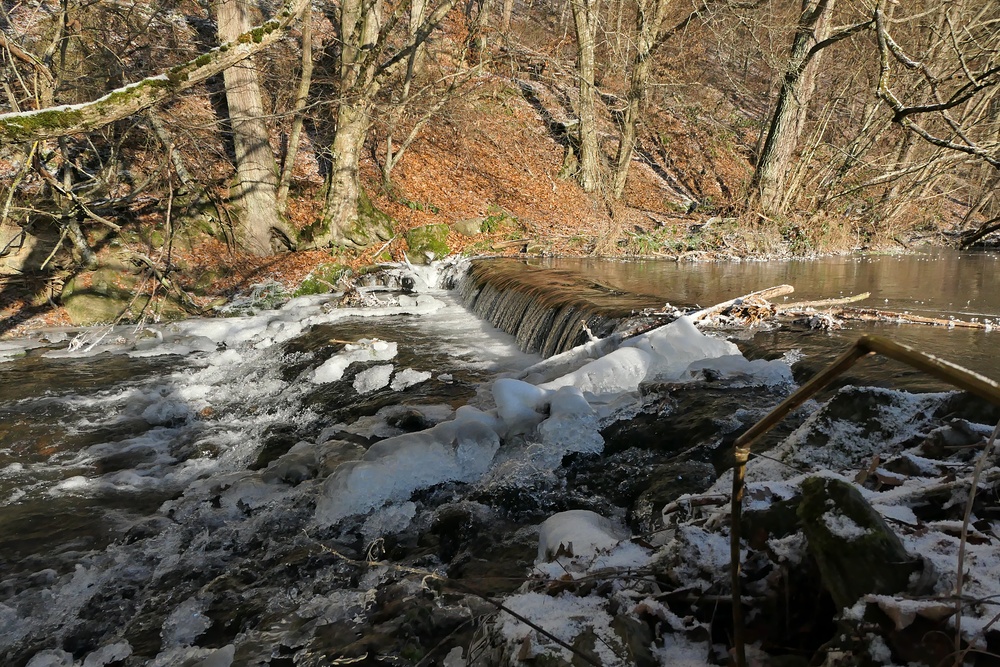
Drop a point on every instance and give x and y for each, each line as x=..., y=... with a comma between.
x=585, y=20
x=301, y=99
x=647, y=31
x=792, y=107
x=256, y=191
x=348, y=217
x=62, y=121
x=506, y=12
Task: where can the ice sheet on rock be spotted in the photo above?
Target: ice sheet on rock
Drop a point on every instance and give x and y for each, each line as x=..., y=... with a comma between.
x=196, y=657
x=577, y=534
x=373, y=379
x=365, y=350
x=572, y=425
x=106, y=655
x=185, y=623
x=520, y=405
x=407, y=378
x=622, y=370
x=744, y=372
x=676, y=346
x=665, y=354
x=388, y=521
x=392, y=469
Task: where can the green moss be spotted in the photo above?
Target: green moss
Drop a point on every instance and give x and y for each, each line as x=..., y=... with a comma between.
x=856, y=551
x=427, y=242
x=27, y=126
x=322, y=279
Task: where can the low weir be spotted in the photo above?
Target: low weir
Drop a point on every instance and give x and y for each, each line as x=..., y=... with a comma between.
x=547, y=310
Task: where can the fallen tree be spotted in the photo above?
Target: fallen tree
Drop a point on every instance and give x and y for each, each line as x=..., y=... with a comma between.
x=61, y=121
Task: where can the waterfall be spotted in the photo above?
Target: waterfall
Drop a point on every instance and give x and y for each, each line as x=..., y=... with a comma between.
x=545, y=309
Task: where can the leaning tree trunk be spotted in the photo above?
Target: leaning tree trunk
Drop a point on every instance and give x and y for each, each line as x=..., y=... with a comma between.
x=788, y=120
x=256, y=191
x=647, y=31
x=585, y=20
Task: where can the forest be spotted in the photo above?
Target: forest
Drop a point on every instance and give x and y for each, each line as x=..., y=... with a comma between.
x=180, y=147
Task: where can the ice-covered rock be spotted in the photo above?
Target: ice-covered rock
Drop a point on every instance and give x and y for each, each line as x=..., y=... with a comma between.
x=364, y=350
x=392, y=469
x=577, y=533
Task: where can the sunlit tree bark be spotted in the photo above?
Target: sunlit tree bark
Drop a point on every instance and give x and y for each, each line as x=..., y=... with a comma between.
x=61, y=121
x=368, y=61
x=792, y=106
x=256, y=187
x=585, y=20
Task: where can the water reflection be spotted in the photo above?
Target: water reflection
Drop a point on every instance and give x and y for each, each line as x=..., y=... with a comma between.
x=942, y=284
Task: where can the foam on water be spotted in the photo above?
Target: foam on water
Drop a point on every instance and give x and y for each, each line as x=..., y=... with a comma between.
x=205, y=423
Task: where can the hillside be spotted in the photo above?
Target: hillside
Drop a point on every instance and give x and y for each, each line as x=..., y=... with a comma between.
x=493, y=105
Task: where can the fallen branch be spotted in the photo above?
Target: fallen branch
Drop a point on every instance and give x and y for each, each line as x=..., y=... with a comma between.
x=822, y=303
x=763, y=295
x=871, y=314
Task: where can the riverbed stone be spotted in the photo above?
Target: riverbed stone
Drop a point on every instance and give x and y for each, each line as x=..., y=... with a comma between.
x=102, y=296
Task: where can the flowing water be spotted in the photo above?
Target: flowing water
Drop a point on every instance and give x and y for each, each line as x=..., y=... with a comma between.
x=941, y=284
x=175, y=495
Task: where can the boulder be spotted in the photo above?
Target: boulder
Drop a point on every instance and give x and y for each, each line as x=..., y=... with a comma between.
x=427, y=243
x=856, y=552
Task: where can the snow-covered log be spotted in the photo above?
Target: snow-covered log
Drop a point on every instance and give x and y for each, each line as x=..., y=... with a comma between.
x=122, y=102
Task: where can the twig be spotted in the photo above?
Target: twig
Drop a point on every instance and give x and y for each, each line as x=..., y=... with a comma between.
x=960, y=575
x=769, y=293
x=426, y=574
x=863, y=347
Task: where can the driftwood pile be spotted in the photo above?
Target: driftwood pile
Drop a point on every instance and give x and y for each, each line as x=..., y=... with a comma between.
x=756, y=307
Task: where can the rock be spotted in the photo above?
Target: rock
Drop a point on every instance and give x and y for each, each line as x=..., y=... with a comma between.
x=101, y=296
x=637, y=638
x=469, y=227
x=410, y=420
x=427, y=243
x=856, y=552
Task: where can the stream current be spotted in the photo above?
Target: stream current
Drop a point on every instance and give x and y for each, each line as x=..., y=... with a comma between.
x=163, y=497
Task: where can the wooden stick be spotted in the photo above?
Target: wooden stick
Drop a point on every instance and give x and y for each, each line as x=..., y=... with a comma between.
x=823, y=303
x=960, y=377
x=872, y=314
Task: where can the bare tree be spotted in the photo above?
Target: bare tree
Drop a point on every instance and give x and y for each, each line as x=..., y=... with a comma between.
x=127, y=100
x=368, y=61
x=813, y=34
x=650, y=35
x=955, y=105
x=585, y=15
x=256, y=169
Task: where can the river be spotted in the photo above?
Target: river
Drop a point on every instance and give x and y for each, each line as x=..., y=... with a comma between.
x=167, y=497
x=938, y=283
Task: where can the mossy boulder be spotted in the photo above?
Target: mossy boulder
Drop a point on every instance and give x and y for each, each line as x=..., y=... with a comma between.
x=427, y=243
x=856, y=551
x=372, y=225
x=102, y=296
x=469, y=227
x=322, y=279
